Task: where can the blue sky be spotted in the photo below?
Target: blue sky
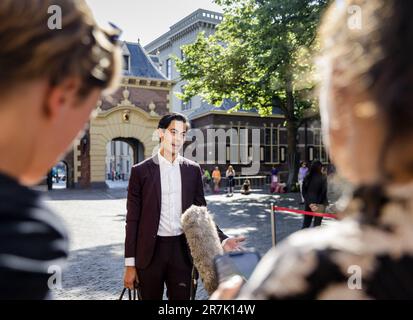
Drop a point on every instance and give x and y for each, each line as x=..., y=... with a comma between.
x=146, y=19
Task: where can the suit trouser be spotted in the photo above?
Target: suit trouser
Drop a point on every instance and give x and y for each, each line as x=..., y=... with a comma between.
x=170, y=265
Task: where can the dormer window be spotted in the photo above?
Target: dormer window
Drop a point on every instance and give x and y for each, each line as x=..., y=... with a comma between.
x=126, y=62
x=169, y=68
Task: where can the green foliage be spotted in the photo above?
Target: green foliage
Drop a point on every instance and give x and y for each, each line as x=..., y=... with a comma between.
x=260, y=57
x=262, y=51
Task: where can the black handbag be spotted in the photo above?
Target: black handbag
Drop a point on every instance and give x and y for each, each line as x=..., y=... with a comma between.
x=134, y=294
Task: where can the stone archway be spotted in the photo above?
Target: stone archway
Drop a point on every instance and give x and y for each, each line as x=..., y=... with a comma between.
x=121, y=155
x=121, y=122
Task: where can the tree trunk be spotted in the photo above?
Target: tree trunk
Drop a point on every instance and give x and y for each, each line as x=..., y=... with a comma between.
x=292, y=130
x=292, y=155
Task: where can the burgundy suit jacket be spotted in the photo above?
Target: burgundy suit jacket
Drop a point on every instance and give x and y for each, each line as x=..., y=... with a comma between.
x=144, y=206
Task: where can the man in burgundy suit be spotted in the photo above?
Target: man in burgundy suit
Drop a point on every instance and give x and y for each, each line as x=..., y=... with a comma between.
x=160, y=189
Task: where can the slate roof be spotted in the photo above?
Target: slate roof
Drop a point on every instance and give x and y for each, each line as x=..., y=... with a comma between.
x=141, y=65
x=226, y=105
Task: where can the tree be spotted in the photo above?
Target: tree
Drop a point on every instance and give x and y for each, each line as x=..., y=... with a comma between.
x=260, y=57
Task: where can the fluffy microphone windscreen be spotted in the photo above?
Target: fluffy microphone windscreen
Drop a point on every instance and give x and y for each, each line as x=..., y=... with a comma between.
x=202, y=237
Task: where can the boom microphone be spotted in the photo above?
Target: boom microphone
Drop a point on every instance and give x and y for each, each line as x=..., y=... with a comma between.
x=202, y=237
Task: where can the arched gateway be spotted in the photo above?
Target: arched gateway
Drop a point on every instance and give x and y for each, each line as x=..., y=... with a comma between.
x=130, y=115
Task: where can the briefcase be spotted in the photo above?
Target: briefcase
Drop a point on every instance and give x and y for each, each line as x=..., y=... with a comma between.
x=134, y=294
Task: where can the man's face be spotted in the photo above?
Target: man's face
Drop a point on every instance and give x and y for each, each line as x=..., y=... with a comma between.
x=173, y=137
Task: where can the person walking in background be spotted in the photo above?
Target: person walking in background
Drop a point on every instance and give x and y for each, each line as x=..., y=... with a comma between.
x=230, y=174
x=274, y=180
x=216, y=176
x=50, y=83
x=302, y=173
x=315, y=193
x=207, y=180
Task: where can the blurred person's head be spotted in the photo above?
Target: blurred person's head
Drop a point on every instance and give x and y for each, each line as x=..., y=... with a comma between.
x=315, y=168
x=172, y=132
x=50, y=81
x=303, y=164
x=367, y=90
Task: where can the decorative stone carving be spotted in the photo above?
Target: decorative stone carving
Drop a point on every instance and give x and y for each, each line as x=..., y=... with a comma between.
x=126, y=116
x=125, y=102
x=152, y=107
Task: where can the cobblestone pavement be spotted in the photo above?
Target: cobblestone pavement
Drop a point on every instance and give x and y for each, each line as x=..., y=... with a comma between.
x=96, y=221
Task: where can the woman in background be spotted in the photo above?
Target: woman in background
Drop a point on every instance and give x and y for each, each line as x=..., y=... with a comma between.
x=230, y=174
x=274, y=180
x=314, y=193
x=216, y=176
x=302, y=173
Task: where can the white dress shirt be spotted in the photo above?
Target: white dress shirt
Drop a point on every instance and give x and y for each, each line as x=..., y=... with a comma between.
x=171, y=200
x=171, y=197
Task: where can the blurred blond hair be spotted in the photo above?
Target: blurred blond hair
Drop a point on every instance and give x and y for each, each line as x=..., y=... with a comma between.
x=29, y=49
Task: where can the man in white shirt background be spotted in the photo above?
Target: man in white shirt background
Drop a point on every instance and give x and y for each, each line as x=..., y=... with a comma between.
x=160, y=189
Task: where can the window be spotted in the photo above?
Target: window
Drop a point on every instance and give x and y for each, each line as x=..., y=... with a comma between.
x=283, y=152
x=310, y=151
x=126, y=62
x=267, y=153
x=182, y=55
x=234, y=140
x=271, y=147
x=318, y=151
x=274, y=136
x=244, y=140
x=169, y=68
x=275, y=154
x=185, y=105
x=267, y=139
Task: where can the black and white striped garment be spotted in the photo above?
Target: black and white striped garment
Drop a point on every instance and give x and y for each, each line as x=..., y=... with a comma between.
x=367, y=255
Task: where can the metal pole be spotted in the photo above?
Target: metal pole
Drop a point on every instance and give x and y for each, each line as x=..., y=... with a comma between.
x=273, y=226
x=306, y=141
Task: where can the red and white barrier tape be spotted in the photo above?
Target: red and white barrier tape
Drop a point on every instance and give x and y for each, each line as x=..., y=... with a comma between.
x=307, y=213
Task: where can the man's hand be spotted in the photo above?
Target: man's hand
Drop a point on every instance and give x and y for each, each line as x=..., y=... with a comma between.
x=232, y=244
x=130, y=277
x=228, y=290
x=313, y=207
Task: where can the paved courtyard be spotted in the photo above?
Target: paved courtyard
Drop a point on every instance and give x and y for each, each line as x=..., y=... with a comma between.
x=96, y=221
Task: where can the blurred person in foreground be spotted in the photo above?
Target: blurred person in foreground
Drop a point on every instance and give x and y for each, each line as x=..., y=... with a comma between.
x=367, y=111
x=50, y=82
